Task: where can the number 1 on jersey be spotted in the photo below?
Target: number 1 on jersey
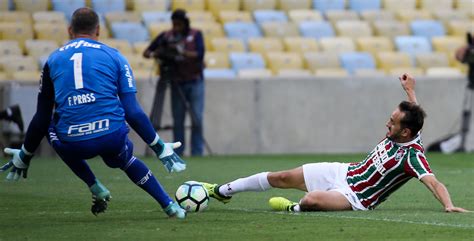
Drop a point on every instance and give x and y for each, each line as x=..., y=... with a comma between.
x=78, y=82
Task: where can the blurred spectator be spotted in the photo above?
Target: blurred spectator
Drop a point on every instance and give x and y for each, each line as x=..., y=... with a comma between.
x=180, y=53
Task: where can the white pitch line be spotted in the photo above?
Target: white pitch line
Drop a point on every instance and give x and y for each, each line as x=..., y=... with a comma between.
x=322, y=214
x=318, y=214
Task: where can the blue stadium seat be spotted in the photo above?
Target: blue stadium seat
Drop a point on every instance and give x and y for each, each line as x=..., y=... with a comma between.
x=246, y=61
x=67, y=6
x=412, y=44
x=105, y=6
x=262, y=16
x=427, y=28
x=324, y=5
x=316, y=29
x=242, y=30
x=362, y=5
x=351, y=61
x=156, y=17
x=219, y=73
x=133, y=32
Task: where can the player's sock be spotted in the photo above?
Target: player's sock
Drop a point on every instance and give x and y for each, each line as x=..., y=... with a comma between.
x=139, y=173
x=257, y=183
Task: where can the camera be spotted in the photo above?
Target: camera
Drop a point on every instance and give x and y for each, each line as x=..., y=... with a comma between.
x=469, y=56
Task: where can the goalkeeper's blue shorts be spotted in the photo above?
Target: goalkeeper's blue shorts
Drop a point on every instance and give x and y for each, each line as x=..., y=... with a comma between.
x=115, y=148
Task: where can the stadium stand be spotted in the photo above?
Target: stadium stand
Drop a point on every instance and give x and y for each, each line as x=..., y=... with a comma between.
x=141, y=6
x=234, y=16
x=357, y=60
x=106, y=6
x=372, y=16
x=252, y=5
x=217, y=6
x=53, y=17
x=321, y=60
x=55, y=32
x=284, y=60
x=409, y=34
x=227, y=45
x=300, y=44
x=188, y=5
x=241, y=61
x=254, y=73
x=353, y=28
x=39, y=48
x=280, y=29
x=263, y=16
x=265, y=45
x=337, y=44
x=390, y=60
x=10, y=47
x=395, y=5
x=325, y=5
x=290, y=73
x=427, y=28
x=150, y=17
x=316, y=29
x=67, y=6
x=290, y=5
x=300, y=15
x=219, y=74
x=363, y=5
x=217, y=60
x=130, y=31
x=374, y=44
x=242, y=30
x=31, y=6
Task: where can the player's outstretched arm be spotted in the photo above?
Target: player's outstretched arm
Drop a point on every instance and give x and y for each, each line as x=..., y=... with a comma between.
x=139, y=121
x=441, y=193
x=408, y=84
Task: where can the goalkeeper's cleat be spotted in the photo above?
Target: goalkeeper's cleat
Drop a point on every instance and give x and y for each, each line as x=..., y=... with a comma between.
x=213, y=190
x=100, y=197
x=282, y=204
x=174, y=210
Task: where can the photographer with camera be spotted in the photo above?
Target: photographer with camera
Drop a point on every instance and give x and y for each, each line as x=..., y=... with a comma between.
x=465, y=54
x=180, y=54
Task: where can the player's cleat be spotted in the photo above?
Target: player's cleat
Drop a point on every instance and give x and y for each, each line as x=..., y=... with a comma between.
x=174, y=210
x=281, y=204
x=213, y=190
x=100, y=197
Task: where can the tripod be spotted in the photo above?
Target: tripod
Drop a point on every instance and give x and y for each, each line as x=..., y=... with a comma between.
x=457, y=142
x=466, y=116
x=158, y=103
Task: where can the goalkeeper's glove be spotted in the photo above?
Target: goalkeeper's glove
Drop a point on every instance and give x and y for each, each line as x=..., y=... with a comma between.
x=19, y=163
x=172, y=162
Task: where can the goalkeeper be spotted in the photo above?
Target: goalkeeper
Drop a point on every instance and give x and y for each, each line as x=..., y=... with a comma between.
x=88, y=90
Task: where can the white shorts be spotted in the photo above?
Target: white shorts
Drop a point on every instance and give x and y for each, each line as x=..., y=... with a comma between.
x=330, y=176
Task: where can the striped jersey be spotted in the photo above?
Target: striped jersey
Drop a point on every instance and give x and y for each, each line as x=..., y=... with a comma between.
x=387, y=167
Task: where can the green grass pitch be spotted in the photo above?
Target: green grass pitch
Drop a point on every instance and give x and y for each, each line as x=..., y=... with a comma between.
x=53, y=204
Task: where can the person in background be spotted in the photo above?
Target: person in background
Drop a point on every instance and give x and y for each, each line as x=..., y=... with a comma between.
x=13, y=114
x=180, y=53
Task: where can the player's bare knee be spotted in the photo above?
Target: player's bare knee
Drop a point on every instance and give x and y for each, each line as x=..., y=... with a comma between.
x=279, y=179
x=310, y=202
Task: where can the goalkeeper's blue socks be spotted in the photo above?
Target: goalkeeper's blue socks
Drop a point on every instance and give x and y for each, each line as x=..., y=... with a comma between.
x=139, y=173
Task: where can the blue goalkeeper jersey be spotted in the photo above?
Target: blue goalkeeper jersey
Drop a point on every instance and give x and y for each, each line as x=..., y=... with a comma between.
x=87, y=77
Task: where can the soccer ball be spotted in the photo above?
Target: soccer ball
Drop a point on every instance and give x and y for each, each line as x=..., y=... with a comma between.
x=192, y=196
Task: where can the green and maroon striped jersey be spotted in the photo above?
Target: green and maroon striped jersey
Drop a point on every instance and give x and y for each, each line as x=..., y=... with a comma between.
x=387, y=168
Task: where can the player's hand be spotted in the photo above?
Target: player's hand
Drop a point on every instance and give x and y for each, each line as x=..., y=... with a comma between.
x=18, y=164
x=407, y=81
x=172, y=162
x=456, y=210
